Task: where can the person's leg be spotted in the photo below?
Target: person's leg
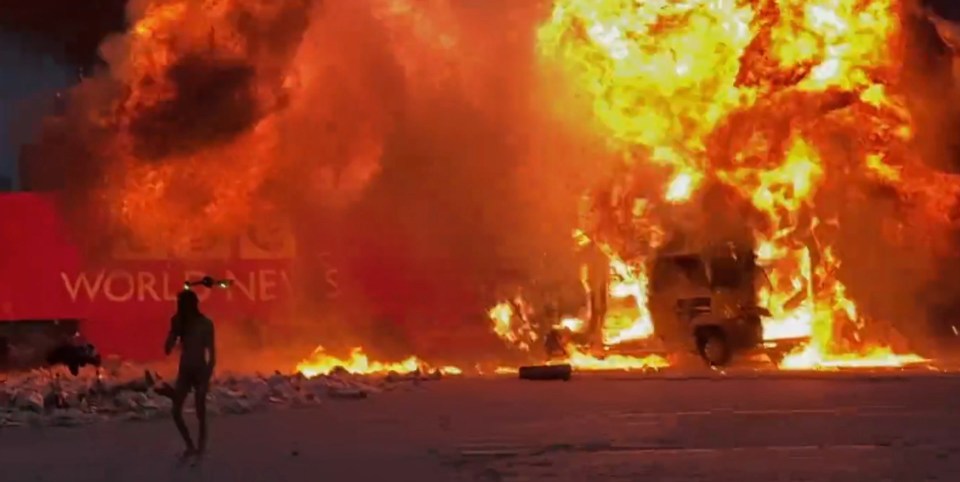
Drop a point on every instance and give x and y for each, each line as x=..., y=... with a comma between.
x=200, y=400
x=180, y=396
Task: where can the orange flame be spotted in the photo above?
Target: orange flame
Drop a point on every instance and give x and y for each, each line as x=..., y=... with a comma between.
x=322, y=363
x=632, y=322
x=747, y=94
x=511, y=323
x=614, y=362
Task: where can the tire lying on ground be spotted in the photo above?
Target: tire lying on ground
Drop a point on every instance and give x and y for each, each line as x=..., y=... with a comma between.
x=546, y=372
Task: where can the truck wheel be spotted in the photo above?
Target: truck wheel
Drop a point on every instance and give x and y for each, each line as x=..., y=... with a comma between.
x=713, y=347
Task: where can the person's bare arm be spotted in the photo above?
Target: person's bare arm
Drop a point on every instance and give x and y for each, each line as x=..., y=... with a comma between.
x=172, y=336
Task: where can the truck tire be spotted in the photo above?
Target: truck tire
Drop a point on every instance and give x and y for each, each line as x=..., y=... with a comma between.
x=713, y=346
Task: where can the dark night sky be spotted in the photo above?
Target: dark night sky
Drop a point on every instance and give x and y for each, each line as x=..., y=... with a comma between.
x=42, y=45
x=949, y=9
x=68, y=30
x=44, y=42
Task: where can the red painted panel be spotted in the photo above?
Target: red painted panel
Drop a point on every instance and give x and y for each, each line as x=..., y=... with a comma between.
x=33, y=251
x=126, y=302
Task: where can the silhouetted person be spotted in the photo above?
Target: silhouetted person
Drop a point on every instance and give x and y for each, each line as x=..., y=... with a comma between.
x=197, y=360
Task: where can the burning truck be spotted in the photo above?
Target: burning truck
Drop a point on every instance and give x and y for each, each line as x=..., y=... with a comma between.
x=785, y=126
x=700, y=297
x=699, y=301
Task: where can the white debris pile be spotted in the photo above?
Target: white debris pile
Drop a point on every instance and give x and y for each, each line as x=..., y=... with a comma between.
x=54, y=397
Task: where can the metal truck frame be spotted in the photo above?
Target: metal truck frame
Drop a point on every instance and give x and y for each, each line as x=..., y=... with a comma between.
x=700, y=301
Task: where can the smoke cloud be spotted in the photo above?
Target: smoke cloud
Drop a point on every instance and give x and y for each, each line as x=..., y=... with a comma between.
x=404, y=141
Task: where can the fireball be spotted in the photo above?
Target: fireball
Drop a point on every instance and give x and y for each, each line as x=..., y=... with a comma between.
x=789, y=104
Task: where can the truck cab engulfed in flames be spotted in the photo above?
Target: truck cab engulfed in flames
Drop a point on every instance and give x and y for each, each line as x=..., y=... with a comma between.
x=701, y=301
x=706, y=302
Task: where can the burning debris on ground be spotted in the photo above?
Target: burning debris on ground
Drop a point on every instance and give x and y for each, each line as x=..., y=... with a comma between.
x=320, y=362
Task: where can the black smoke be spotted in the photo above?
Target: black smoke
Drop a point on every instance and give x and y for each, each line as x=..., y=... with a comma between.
x=69, y=31
x=215, y=103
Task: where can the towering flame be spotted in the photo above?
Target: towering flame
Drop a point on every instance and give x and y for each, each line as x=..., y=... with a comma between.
x=793, y=105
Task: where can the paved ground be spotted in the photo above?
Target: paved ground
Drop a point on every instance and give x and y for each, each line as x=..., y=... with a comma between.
x=820, y=428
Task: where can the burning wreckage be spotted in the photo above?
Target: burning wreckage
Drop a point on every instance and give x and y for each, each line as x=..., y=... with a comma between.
x=750, y=147
x=702, y=297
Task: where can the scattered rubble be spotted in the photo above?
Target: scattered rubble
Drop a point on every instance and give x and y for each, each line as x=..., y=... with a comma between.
x=54, y=397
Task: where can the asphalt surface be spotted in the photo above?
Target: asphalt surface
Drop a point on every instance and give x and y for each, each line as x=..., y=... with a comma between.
x=821, y=427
